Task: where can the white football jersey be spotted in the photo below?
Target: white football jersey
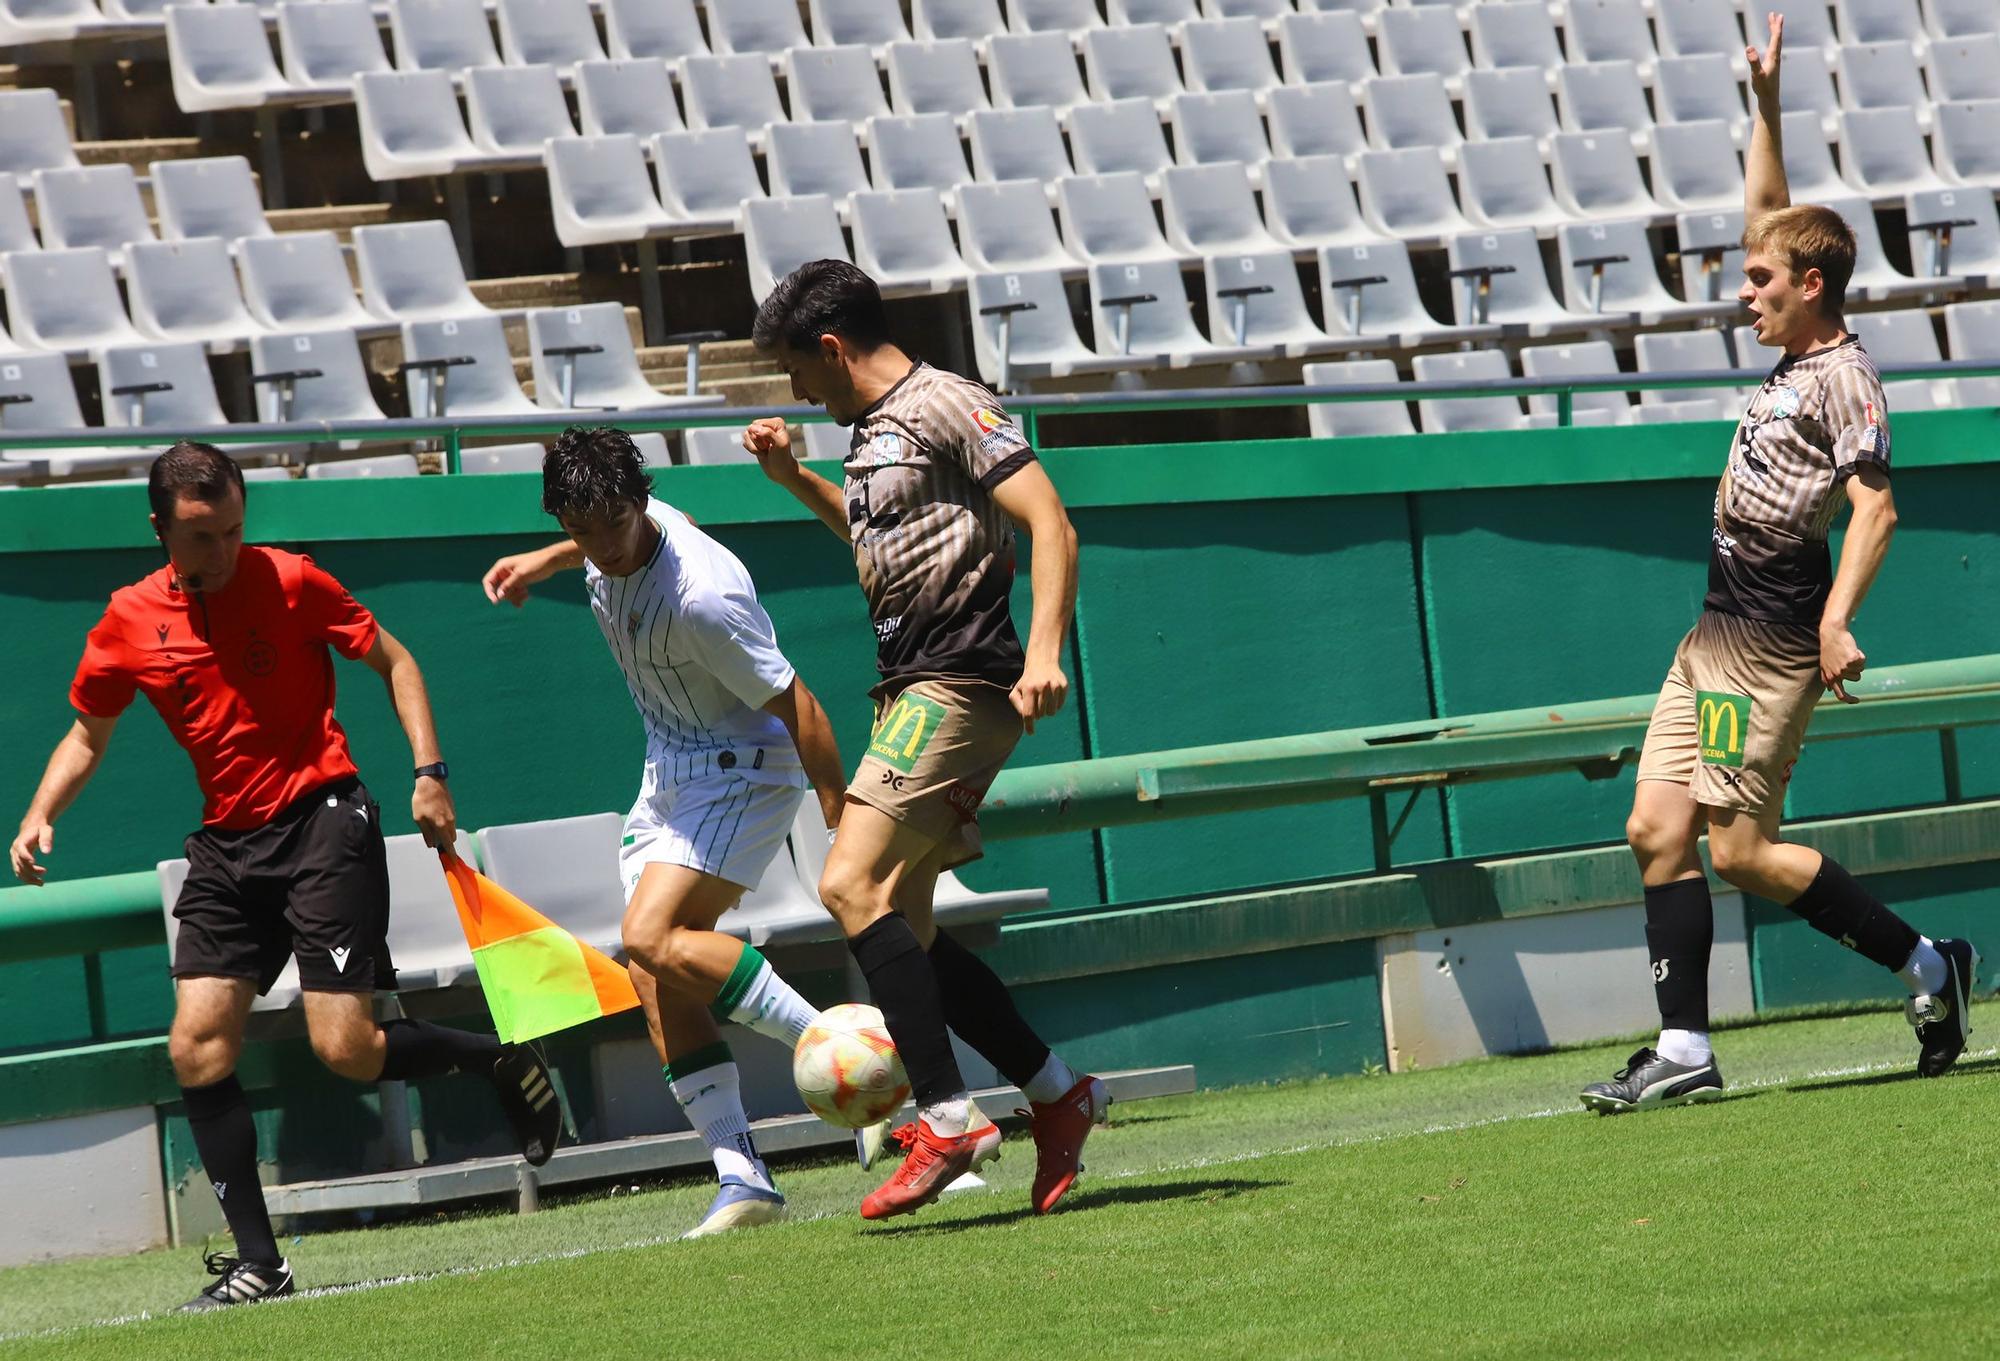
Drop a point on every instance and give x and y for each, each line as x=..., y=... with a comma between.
x=700, y=658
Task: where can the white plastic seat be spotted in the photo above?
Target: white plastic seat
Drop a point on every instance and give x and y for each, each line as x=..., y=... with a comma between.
x=834, y=84
x=705, y=177
x=710, y=446
x=1882, y=151
x=1422, y=40
x=762, y=27
x=1018, y=144
x=1807, y=23
x=1883, y=75
x=1695, y=166
x=937, y=76
x=1711, y=249
x=826, y=441
x=1966, y=68
x=1022, y=329
x=1501, y=281
x=1501, y=183
x=1600, y=96
x=803, y=159
x=1255, y=301
x=1904, y=338
x=1967, y=150
x=1227, y=54
x=40, y=394
x=1142, y=308
x=583, y=359
x=1809, y=168
x=513, y=110
x=629, y=95
x=1008, y=227
x=1117, y=136
x=1472, y=368
x=1333, y=420
x=186, y=290
x=325, y=44
x=1700, y=88
x=921, y=152
x=97, y=205
x=1972, y=331
x=219, y=57
x=1807, y=86
x=1954, y=232
x=1323, y=47
x=1267, y=11
x=1031, y=70
x=1369, y=290
x=441, y=35
x=558, y=33
x=1608, y=30
x=1405, y=195
x=65, y=300
x=665, y=30
x=1875, y=279
x=1408, y=111
x=209, y=196
x=16, y=231
x=1874, y=21
x=377, y=465
x=410, y=272
x=1315, y=120
x=1130, y=62
x=1109, y=218
x=299, y=281
x=599, y=191
x=410, y=128
x=903, y=242
x=731, y=91
x=461, y=367
x=1597, y=176
x=1508, y=33
x=975, y=19
x=1510, y=102
x=1309, y=203
x=1042, y=16
x=1579, y=359
x=1212, y=210
x=1960, y=18
x=311, y=376
x=159, y=386
x=1693, y=28
x=33, y=133
x=780, y=234
x=876, y=23
x=1684, y=352
x=1224, y=126
x=502, y=458
x=1607, y=267
x=1124, y=13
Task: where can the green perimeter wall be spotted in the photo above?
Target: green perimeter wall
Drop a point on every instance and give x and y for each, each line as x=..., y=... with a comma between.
x=1229, y=591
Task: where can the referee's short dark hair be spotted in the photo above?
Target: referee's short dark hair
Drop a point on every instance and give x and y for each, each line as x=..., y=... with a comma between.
x=591, y=470
x=192, y=469
x=821, y=297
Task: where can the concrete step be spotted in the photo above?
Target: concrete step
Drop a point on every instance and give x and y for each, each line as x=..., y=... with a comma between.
x=139, y=152
x=341, y=218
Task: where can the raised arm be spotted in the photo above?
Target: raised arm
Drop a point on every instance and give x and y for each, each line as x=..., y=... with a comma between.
x=430, y=802
x=1030, y=499
x=819, y=753
x=510, y=578
x=771, y=444
x=71, y=765
x=1764, y=186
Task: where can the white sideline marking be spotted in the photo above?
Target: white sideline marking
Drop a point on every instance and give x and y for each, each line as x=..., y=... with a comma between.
x=1190, y=1165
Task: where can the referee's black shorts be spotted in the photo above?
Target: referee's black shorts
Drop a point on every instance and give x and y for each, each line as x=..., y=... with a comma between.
x=313, y=882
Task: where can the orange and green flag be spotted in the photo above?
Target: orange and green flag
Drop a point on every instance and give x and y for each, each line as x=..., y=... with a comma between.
x=538, y=978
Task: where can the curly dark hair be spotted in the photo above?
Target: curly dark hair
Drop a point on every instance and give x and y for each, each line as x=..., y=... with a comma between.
x=591, y=470
x=821, y=297
x=200, y=470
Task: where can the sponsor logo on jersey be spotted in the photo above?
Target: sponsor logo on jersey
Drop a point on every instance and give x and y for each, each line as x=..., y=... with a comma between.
x=989, y=420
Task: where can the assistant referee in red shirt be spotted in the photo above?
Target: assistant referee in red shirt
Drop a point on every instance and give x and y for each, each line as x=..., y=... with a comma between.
x=229, y=643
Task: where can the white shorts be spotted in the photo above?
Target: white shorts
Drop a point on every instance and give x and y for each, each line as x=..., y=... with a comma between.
x=720, y=824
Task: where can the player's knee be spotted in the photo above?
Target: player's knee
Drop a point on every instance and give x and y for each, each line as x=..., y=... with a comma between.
x=200, y=1056
x=1736, y=859
x=676, y=959
x=350, y=1052
x=852, y=898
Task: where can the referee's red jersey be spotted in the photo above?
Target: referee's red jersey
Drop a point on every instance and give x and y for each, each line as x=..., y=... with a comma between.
x=241, y=676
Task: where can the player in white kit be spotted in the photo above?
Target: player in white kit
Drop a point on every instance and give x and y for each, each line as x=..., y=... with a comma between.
x=733, y=739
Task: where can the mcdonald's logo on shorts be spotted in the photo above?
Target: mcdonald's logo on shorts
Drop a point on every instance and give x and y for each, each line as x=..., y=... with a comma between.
x=905, y=730
x=1722, y=724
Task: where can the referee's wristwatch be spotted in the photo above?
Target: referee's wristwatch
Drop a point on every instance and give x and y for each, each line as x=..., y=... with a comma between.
x=437, y=770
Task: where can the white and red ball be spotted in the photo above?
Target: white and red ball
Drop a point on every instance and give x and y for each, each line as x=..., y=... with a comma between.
x=847, y=1068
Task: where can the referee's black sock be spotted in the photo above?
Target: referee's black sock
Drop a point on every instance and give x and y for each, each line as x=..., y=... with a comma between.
x=226, y=1139
x=1835, y=904
x=978, y=1006
x=419, y=1049
x=1680, y=935
x=905, y=987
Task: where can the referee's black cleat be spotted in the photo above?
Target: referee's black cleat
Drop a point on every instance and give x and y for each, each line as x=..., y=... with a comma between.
x=241, y=1283
x=1647, y=1080
x=1944, y=1018
x=528, y=1094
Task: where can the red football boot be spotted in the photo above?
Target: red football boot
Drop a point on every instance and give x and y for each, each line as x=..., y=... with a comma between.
x=933, y=1163
x=1060, y=1127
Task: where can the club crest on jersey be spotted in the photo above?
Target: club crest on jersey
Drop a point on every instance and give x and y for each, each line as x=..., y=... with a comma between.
x=989, y=420
x=1785, y=405
x=886, y=447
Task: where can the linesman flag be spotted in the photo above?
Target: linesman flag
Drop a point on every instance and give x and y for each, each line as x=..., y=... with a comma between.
x=538, y=978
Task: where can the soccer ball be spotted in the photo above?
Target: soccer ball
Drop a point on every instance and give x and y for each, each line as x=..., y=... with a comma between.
x=847, y=1069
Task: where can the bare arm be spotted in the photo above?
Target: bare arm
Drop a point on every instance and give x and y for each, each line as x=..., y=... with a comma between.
x=771, y=443
x=1031, y=501
x=1764, y=186
x=71, y=765
x=1869, y=530
x=510, y=578
x=812, y=734
x=430, y=803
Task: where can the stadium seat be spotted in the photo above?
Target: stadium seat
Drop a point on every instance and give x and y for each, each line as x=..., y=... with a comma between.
x=410, y=128
x=502, y=458
x=65, y=300
x=1405, y=195
x=1315, y=120
x=1501, y=183
x=1309, y=203
x=1323, y=47
x=1597, y=176
x=1022, y=329
x=1878, y=21
x=922, y=152
x=1608, y=30
x=1409, y=111
x=599, y=192
x=441, y=35
x=311, y=376
x=1904, y=338
x=711, y=445
x=1510, y=102
x=814, y=158
x=410, y=272
x=219, y=57
x=566, y=867
x=1009, y=228
x=1965, y=68
x=1695, y=166
x=1711, y=245
x=1018, y=144
x=1131, y=62
x=875, y=23
x=299, y=281
x=513, y=110
x=1142, y=308
x=1471, y=368
x=33, y=133
x=1123, y=135
x=1700, y=88
x=1331, y=420
x=975, y=19
x=1499, y=279
x=1960, y=18
x=1508, y=33
x=1686, y=352
x=1582, y=359
x=1422, y=40
x=1028, y=70
x=558, y=33
x=1212, y=210
x=1127, y=12
x=661, y=30
x=1809, y=168
x=37, y=393
x=834, y=85
x=1255, y=300
x=1807, y=24
x=1699, y=28
x=186, y=290
x=626, y=95
x=1224, y=126
x=583, y=360
x=764, y=27
x=461, y=368
x=1807, y=86
x=1227, y=54
x=1109, y=218
x=1602, y=96
x=705, y=177
x=827, y=441
x=1041, y=16
x=388, y=465
x=1369, y=290
x=209, y=196
x=167, y=386
x=96, y=205
x=1267, y=10
x=1972, y=331
x=1954, y=232
x=1607, y=267
x=325, y=44
x=780, y=234
x=1882, y=151
x=1967, y=150
x=1883, y=75
x=903, y=242
x=1875, y=278
x=16, y=231
x=736, y=91
x=936, y=76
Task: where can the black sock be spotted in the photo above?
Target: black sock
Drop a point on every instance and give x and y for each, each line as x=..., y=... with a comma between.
x=1834, y=904
x=904, y=986
x=419, y=1049
x=978, y=1006
x=226, y=1139
x=1680, y=934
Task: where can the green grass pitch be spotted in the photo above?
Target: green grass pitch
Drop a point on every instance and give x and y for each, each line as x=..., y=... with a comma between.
x=1833, y=1206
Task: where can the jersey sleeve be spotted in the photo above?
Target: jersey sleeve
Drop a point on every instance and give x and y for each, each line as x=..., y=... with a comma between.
x=104, y=684
x=730, y=634
x=1857, y=419
x=332, y=614
x=984, y=440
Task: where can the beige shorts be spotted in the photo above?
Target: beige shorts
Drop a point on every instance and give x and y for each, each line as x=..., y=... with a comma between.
x=936, y=746
x=1733, y=713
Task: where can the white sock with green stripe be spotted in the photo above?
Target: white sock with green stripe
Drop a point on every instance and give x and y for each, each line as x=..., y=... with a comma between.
x=706, y=1084
x=756, y=997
